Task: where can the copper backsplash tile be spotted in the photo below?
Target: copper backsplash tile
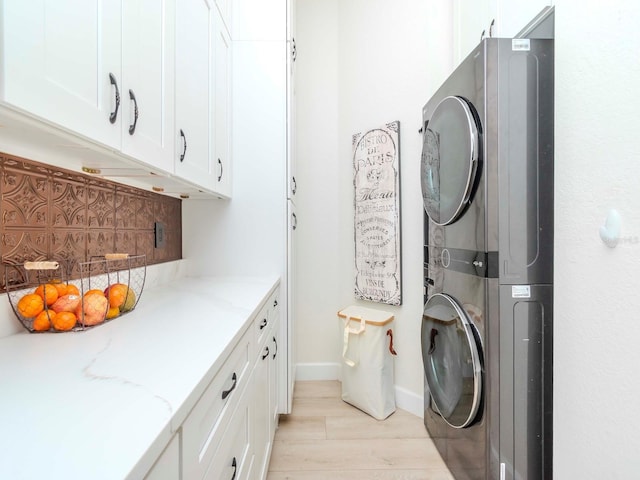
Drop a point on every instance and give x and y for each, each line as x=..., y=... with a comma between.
x=56, y=214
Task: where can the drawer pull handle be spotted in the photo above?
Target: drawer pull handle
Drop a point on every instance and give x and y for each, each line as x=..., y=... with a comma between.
x=263, y=324
x=234, y=464
x=276, y=344
x=266, y=353
x=275, y=303
x=225, y=393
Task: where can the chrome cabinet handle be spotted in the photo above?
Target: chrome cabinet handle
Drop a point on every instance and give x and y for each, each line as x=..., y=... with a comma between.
x=132, y=127
x=114, y=115
x=184, y=148
x=225, y=393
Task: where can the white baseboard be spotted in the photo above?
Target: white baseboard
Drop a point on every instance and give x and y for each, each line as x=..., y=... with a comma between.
x=405, y=399
x=409, y=401
x=317, y=371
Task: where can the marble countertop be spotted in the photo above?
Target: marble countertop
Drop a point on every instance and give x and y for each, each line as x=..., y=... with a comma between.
x=103, y=403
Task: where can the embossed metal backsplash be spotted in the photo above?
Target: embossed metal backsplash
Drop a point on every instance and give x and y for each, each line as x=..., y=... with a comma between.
x=51, y=213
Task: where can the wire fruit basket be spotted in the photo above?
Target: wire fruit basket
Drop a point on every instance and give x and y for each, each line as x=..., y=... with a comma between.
x=44, y=300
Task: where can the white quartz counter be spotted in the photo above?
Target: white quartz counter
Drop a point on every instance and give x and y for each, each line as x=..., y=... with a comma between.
x=103, y=403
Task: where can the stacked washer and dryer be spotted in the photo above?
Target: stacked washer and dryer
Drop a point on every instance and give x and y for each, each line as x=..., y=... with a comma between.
x=487, y=183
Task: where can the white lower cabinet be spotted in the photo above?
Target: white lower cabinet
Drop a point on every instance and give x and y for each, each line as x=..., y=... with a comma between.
x=266, y=391
x=167, y=467
x=229, y=432
x=234, y=458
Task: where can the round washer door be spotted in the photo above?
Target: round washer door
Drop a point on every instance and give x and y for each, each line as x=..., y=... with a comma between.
x=451, y=359
x=450, y=154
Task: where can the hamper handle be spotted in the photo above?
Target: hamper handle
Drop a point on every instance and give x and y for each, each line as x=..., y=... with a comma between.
x=348, y=330
x=391, y=349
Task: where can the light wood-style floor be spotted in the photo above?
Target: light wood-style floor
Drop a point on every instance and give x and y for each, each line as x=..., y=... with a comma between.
x=325, y=437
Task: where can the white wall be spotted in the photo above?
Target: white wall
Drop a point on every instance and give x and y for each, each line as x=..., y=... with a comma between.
x=362, y=63
x=596, y=349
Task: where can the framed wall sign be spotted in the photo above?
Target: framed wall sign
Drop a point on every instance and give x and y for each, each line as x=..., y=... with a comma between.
x=376, y=181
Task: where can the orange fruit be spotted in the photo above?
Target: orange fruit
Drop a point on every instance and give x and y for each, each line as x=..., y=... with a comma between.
x=113, y=312
x=42, y=322
x=72, y=289
x=117, y=294
x=47, y=292
x=94, y=291
x=64, y=321
x=30, y=305
x=62, y=288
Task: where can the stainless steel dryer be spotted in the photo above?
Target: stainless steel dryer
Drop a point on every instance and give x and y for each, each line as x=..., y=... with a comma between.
x=487, y=182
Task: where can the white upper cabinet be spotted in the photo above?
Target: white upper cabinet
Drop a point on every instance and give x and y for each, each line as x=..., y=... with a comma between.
x=222, y=108
x=103, y=70
x=225, y=9
x=476, y=19
x=292, y=187
x=259, y=19
x=147, y=79
x=194, y=93
x=62, y=63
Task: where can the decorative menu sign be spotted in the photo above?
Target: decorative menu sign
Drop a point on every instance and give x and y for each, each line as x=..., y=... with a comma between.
x=376, y=179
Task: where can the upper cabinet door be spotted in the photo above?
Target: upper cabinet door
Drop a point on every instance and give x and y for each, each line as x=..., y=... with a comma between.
x=148, y=72
x=195, y=86
x=62, y=64
x=259, y=19
x=222, y=108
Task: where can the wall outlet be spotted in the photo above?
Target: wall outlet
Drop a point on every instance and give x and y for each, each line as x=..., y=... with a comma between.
x=159, y=238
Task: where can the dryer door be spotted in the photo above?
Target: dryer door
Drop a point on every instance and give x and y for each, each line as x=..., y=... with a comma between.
x=451, y=358
x=450, y=156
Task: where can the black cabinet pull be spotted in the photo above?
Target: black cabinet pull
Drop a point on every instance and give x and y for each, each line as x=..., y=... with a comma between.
x=184, y=148
x=294, y=185
x=234, y=465
x=493, y=22
x=275, y=342
x=294, y=221
x=114, y=115
x=294, y=50
x=263, y=324
x=225, y=393
x=132, y=127
x=266, y=353
x=220, y=163
x=275, y=303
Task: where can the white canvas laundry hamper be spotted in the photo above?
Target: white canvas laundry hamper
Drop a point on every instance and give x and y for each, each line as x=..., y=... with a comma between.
x=367, y=360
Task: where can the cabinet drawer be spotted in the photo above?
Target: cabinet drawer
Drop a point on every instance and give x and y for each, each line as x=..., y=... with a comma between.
x=214, y=408
x=234, y=458
x=266, y=318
